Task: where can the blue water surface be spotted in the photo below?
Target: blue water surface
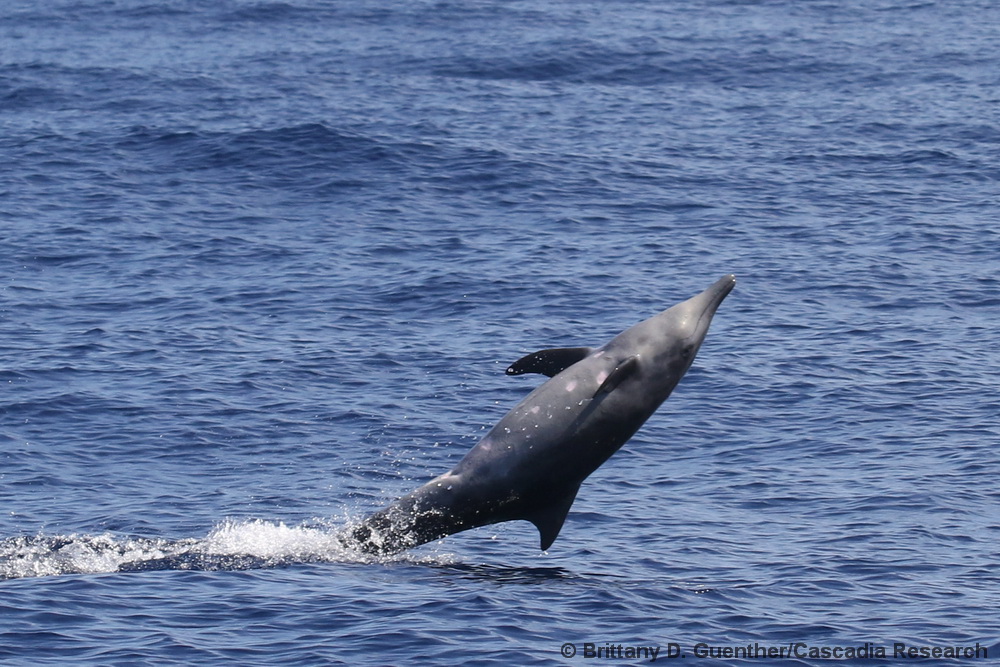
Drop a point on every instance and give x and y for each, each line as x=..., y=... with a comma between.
x=264, y=263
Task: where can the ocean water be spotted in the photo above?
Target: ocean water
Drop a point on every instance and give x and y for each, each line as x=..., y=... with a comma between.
x=264, y=263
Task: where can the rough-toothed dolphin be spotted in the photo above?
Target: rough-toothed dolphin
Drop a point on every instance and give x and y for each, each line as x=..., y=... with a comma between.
x=531, y=464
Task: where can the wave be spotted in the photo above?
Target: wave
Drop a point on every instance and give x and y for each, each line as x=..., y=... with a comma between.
x=232, y=545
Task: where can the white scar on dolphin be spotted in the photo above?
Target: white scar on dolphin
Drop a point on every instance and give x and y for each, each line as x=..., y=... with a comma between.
x=531, y=464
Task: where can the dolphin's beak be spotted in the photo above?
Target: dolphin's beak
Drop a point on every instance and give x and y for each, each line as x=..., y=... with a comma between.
x=717, y=292
x=706, y=303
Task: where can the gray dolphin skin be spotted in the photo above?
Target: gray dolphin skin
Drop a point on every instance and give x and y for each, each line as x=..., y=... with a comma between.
x=531, y=464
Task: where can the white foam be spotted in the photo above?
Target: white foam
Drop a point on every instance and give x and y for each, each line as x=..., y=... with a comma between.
x=77, y=554
x=233, y=544
x=268, y=540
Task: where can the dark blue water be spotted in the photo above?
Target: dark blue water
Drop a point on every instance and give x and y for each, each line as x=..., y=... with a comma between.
x=263, y=265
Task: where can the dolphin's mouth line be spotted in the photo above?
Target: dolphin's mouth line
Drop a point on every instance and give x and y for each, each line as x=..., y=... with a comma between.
x=721, y=292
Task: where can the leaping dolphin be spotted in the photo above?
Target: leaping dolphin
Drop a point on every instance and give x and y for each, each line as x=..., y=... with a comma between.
x=531, y=464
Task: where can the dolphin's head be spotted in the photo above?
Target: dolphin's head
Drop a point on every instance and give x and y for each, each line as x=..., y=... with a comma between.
x=667, y=343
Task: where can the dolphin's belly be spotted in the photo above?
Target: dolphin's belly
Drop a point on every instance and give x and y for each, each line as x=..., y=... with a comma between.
x=543, y=438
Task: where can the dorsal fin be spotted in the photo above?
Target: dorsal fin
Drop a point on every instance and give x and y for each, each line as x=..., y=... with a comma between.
x=622, y=371
x=549, y=362
x=549, y=519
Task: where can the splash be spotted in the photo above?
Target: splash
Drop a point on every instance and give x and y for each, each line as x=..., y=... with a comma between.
x=232, y=545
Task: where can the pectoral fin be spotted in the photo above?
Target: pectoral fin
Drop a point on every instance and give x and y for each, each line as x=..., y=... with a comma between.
x=549, y=362
x=621, y=372
x=550, y=518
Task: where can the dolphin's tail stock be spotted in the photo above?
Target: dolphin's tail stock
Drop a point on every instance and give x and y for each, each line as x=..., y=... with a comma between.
x=402, y=525
x=377, y=535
